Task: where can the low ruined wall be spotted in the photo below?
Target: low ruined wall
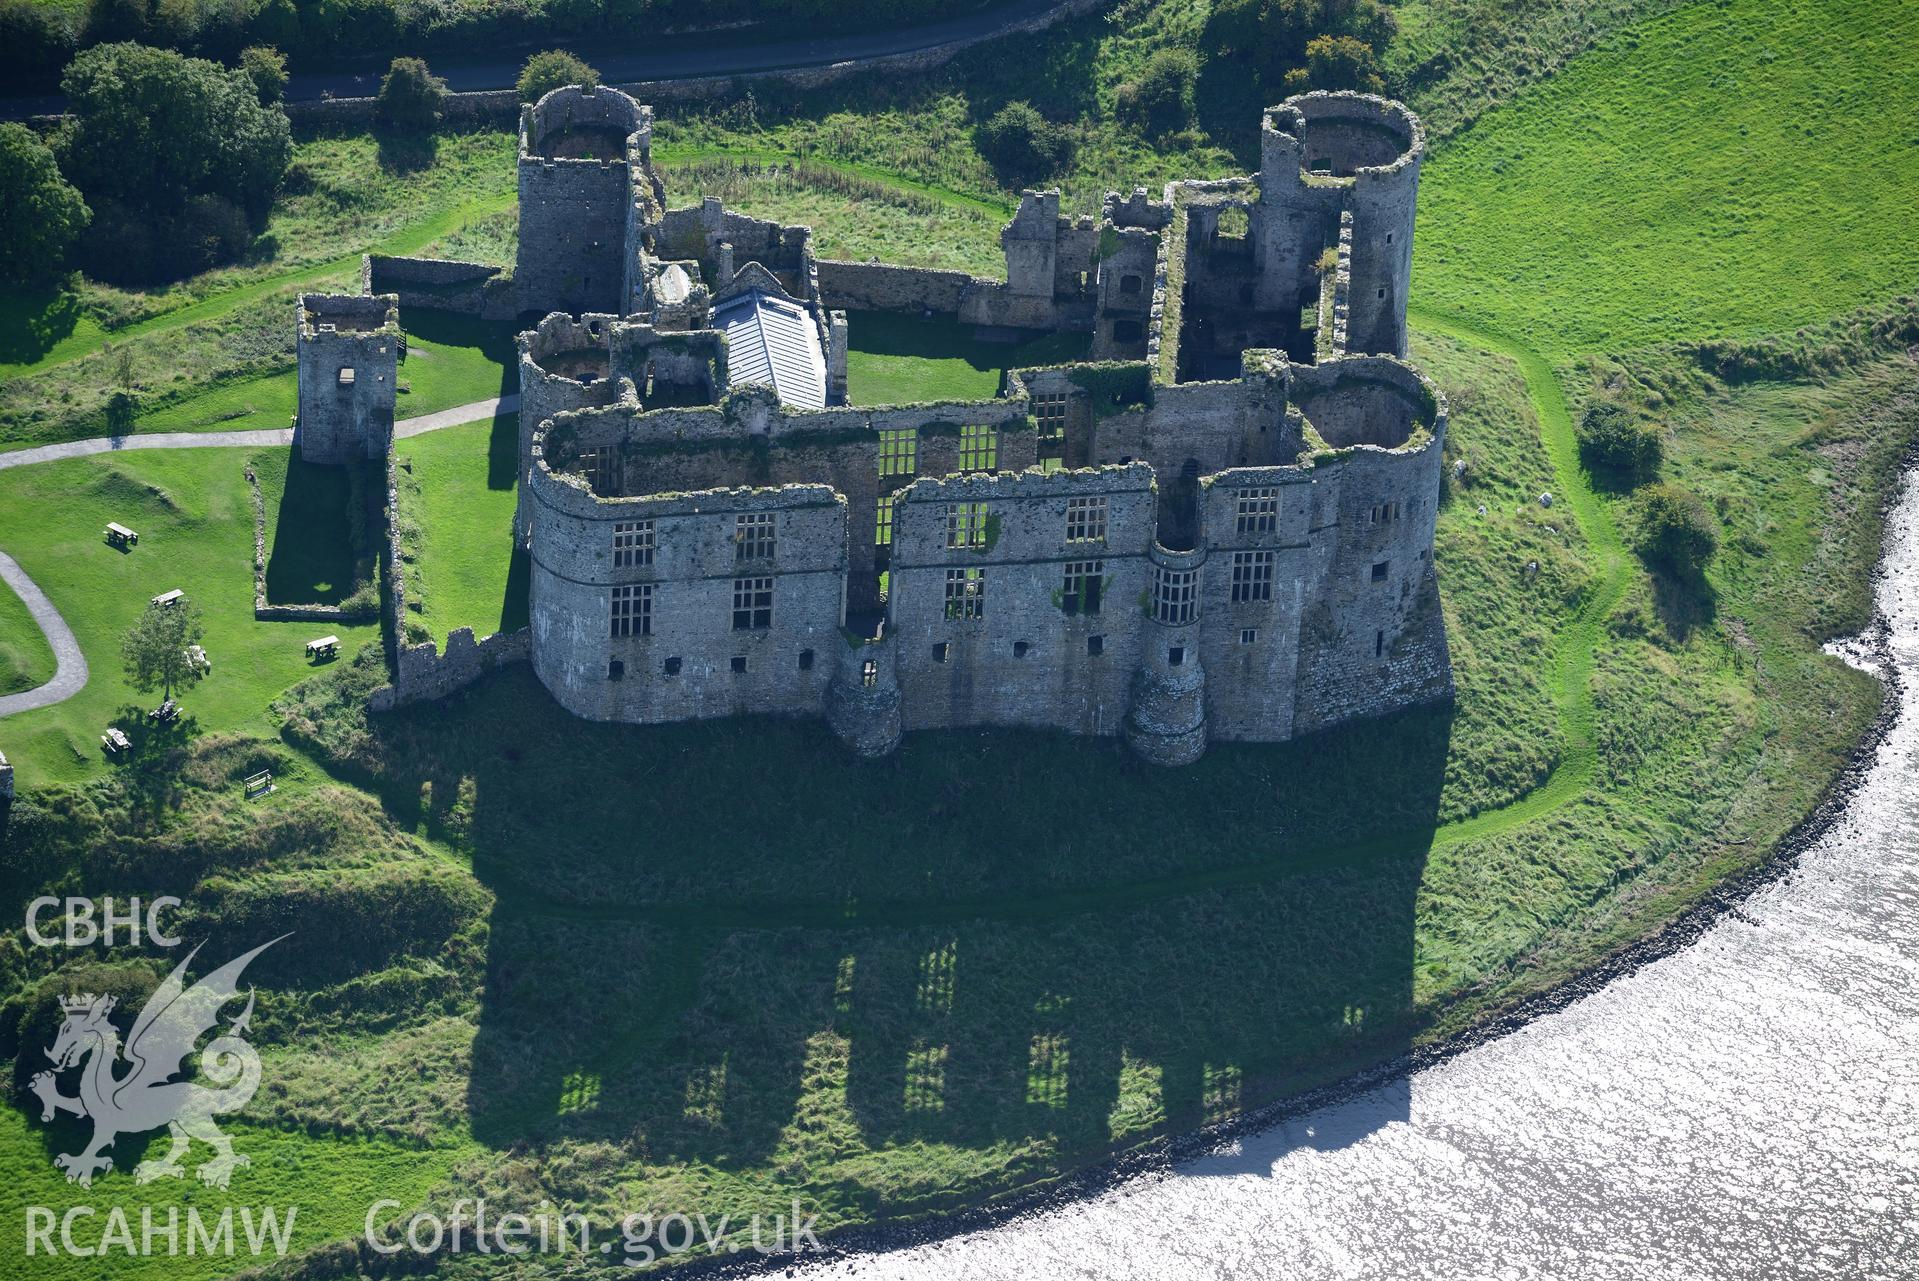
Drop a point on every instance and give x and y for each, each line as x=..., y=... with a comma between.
x=422, y=674
x=876, y=286
x=502, y=106
x=469, y=288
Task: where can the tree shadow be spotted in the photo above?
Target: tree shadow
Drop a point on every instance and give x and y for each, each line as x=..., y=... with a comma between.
x=312, y=560
x=403, y=151
x=32, y=321
x=1684, y=602
x=1054, y=948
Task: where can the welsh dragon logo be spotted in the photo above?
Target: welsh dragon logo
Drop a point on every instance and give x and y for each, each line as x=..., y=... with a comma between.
x=146, y=1097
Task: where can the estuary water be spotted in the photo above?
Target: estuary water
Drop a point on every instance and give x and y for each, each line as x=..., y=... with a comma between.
x=1746, y=1107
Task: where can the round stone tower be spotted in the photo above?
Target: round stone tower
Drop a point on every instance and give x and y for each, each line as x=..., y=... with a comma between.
x=1326, y=153
x=563, y=365
x=578, y=150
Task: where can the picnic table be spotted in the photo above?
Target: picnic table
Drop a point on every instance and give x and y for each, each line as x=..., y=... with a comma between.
x=325, y=647
x=166, y=713
x=120, y=536
x=114, y=741
x=165, y=599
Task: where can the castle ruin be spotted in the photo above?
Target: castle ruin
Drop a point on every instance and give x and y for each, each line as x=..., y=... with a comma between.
x=1216, y=526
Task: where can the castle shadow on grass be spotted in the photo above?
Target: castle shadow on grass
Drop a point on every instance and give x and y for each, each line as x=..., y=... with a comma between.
x=724, y=943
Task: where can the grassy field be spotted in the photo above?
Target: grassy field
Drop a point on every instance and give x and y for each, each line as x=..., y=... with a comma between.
x=195, y=518
x=1724, y=170
x=26, y=660
x=219, y=348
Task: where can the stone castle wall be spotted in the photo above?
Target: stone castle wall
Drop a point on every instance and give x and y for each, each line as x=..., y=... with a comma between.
x=348, y=351
x=422, y=674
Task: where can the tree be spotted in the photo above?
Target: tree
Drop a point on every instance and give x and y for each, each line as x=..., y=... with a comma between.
x=1161, y=100
x=1270, y=38
x=411, y=97
x=1673, y=529
x=150, y=130
x=35, y=42
x=1610, y=438
x=155, y=650
x=554, y=69
x=1021, y=144
x=41, y=215
x=267, y=68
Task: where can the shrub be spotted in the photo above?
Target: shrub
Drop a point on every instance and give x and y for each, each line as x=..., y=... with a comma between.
x=41, y=215
x=1021, y=144
x=411, y=97
x=1274, y=39
x=1610, y=438
x=1337, y=62
x=1673, y=529
x=267, y=68
x=545, y=72
x=1161, y=100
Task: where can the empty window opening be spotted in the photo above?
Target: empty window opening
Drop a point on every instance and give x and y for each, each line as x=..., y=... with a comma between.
x=1389, y=237
x=1383, y=513
x=1086, y=520
x=966, y=593
x=632, y=544
x=1247, y=635
x=870, y=673
x=752, y=604
x=1176, y=656
x=1095, y=646
x=1022, y=648
x=1382, y=293
x=978, y=448
x=1379, y=570
x=1129, y=284
x=1257, y=512
x=941, y=650
x=899, y=451
x=632, y=610
x=753, y=537
x=1252, y=577
x=966, y=526
x=1233, y=223
x=739, y=663
x=806, y=660
x=616, y=670
x=1176, y=596
x=1379, y=644
x=601, y=467
x=1049, y=412
x=1083, y=586
x=671, y=667
x=1127, y=331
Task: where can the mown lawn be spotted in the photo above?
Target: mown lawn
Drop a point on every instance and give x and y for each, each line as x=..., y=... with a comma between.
x=26, y=660
x=195, y=518
x=894, y=360
x=461, y=498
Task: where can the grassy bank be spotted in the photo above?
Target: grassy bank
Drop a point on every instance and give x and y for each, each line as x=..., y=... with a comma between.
x=26, y=660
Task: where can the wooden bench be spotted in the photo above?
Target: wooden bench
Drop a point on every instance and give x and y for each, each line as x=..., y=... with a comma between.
x=325, y=647
x=166, y=713
x=165, y=599
x=120, y=536
x=259, y=784
x=114, y=741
